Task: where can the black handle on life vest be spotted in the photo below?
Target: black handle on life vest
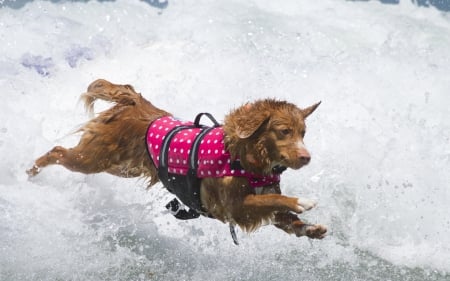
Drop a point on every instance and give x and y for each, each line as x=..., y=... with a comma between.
x=199, y=116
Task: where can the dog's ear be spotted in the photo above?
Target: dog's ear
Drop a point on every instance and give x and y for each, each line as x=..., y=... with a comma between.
x=307, y=111
x=250, y=120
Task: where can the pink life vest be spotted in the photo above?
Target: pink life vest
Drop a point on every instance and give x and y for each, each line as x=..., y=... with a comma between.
x=213, y=159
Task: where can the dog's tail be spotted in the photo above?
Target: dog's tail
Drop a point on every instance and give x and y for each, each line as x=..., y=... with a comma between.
x=107, y=91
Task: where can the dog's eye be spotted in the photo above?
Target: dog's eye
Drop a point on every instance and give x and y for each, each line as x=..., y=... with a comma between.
x=286, y=132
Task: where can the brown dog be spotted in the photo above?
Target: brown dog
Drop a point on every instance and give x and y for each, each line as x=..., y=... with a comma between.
x=264, y=135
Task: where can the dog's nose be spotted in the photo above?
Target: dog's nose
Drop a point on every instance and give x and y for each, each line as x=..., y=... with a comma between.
x=304, y=156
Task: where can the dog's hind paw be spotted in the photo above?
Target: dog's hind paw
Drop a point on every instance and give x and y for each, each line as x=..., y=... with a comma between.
x=33, y=171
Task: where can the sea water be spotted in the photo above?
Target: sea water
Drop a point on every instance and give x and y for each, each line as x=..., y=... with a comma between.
x=379, y=141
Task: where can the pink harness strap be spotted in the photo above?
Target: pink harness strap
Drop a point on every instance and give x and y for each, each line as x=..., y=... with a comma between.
x=213, y=159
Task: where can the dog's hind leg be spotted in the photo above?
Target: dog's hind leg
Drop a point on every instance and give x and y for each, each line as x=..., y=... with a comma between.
x=50, y=158
x=291, y=224
x=71, y=158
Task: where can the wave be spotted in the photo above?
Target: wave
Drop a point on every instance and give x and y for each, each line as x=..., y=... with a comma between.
x=379, y=141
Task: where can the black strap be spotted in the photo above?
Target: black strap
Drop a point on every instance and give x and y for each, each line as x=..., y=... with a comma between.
x=163, y=169
x=193, y=156
x=233, y=234
x=199, y=116
x=179, y=212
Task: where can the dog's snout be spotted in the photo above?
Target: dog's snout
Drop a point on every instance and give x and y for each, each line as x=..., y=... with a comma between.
x=304, y=156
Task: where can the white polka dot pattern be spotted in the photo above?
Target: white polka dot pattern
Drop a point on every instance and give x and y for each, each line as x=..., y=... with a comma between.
x=213, y=159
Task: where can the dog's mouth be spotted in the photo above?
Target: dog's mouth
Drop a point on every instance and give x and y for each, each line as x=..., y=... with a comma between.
x=278, y=169
x=294, y=164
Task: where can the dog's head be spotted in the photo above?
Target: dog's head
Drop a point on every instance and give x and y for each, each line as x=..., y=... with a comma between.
x=268, y=133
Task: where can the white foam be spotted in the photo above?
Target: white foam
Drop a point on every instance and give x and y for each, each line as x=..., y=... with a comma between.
x=379, y=140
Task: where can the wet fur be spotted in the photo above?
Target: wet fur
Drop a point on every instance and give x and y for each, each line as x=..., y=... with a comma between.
x=264, y=134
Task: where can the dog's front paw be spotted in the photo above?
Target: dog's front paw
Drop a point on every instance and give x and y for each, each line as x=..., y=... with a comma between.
x=316, y=231
x=305, y=205
x=313, y=231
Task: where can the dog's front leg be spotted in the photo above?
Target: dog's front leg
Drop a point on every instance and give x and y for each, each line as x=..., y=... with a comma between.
x=277, y=202
x=278, y=210
x=290, y=223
